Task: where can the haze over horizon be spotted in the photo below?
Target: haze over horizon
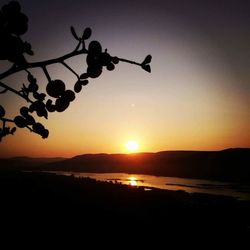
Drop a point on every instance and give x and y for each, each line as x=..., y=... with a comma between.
x=119, y=153
x=196, y=98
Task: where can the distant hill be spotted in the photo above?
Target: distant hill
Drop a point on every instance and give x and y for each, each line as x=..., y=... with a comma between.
x=23, y=162
x=229, y=164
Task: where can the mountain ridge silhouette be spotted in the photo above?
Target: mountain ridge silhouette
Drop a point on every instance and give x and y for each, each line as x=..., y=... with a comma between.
x=231, y=164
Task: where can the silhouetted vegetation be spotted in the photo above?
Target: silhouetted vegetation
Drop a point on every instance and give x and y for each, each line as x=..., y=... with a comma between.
x=14, y=24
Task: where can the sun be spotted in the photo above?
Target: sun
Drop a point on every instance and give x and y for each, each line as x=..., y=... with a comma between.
x=132, y=146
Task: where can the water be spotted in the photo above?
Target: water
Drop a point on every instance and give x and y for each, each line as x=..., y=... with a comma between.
x=170, y=183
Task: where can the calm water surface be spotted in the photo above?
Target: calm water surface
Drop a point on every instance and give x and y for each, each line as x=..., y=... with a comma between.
x=170, y=183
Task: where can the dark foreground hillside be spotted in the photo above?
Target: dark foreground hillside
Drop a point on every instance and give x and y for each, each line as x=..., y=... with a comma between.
x=46, y=204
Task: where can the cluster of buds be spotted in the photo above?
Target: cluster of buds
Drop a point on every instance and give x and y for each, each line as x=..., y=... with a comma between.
x=13, y=24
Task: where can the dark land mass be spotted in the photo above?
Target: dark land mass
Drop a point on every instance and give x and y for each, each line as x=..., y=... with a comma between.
x=225, y=165
x=41, y=205
x=23, y=162
x=46, y=206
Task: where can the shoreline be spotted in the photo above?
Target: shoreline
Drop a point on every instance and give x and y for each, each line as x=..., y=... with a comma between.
x=239, y=191
x=37, y=200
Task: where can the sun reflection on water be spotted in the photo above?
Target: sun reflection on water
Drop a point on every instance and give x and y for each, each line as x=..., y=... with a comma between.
x=132, y=181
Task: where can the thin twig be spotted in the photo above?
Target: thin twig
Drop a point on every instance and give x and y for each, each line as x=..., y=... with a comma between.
x=6, y=120
x=69, y=68
x=128, y=61
x=3, y=91
x=16, y=92
x=46, y=73
x=78, y=46
x=27, y=71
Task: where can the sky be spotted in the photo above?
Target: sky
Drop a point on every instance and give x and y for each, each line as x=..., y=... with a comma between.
x=196, y=98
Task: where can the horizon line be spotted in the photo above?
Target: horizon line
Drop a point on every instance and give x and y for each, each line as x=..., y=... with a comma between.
x=134, y=153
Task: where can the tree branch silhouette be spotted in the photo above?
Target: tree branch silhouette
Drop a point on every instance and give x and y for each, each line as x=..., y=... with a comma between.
x=13, y=24
x=6, y=88
x=61, y=60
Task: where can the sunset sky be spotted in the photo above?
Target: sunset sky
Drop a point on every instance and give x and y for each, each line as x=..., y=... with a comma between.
x=196, y=98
